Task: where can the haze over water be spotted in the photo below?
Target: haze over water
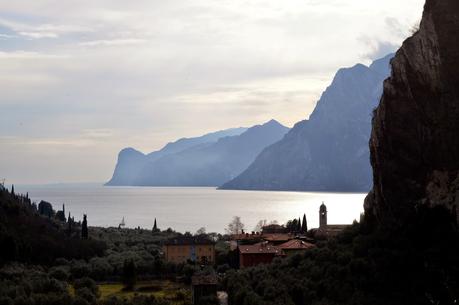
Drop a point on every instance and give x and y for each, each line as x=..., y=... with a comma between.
x=188, y=209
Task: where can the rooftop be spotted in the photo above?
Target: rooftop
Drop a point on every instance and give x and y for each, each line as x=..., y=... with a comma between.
x=189, y=240
x=260, y=248
x=295, y=244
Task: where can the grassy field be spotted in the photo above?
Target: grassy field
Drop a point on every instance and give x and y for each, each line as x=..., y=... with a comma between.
x=178, y=293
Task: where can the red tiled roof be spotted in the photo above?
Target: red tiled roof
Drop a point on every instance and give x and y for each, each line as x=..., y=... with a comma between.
x=295, y=244
x=266, y=236
x=263, y=248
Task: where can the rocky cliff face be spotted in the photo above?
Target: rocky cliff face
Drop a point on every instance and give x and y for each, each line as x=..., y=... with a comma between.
x=415, y=138
x=328, y=152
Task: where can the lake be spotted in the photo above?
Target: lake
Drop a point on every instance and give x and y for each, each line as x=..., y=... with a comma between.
x=188, y=209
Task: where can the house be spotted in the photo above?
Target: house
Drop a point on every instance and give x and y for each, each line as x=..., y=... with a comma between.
x=203, y=286
x=325, y=230
x=277, y=238
x=260, y=253
x=256, y=237
x=244, y=239
x=295, y=246
x=194, y=248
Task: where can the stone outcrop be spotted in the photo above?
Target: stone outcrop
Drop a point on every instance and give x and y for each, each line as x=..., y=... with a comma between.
x=414, y=143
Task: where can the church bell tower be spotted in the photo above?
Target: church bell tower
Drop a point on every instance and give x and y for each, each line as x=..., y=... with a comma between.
x=322, y=216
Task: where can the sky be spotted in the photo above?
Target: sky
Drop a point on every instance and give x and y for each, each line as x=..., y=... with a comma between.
x=82, y=79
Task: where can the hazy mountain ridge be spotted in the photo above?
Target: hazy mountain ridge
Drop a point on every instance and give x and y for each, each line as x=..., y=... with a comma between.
x=185, y=143
x=131, y=161
x=328, y=152
x=209, y=160
x=211, y=164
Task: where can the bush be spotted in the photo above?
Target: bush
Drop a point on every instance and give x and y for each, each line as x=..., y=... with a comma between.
x=59, y=273
x=88, y=283
x=80, y=301
x=80, y=269
x=101, y=269
x=129, y=274
x=211, y=300
x=6, y=301
x=223, y=268
x=86, y=294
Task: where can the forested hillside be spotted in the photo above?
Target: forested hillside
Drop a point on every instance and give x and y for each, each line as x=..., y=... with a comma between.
x=27, y=236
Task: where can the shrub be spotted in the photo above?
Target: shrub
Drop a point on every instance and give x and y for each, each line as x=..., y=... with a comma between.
x=88, y=283
x=129, y=274
x=79, y=269
x=86, y=294
x=59, y=273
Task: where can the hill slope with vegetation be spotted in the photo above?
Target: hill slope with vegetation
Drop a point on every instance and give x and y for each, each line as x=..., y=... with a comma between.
x=27, y=236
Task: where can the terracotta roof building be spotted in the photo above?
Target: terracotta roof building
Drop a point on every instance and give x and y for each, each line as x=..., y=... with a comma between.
x=193, y=248
x=295, y=246
x=261, y=253
x=244, y=239
x=278, y=238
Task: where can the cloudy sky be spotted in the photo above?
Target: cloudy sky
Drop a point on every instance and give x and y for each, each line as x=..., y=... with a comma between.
x=82, y=79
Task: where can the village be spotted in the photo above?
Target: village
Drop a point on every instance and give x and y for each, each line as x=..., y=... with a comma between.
x=252, y=249
x=183, y=268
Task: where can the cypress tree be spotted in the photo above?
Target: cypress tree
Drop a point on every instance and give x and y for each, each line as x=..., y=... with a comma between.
x=304, y=227
x=84, y=228
x=129, y=274
x=12, y=189
x=155, y=228
x=69, y=229
x=299, y=225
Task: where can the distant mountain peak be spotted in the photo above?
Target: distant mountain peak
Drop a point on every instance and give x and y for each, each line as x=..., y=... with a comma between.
x=208, y=160
x=329, y=151
x=130, y=151
x=272, y=121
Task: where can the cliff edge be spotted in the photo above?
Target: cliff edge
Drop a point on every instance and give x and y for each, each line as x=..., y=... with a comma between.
x=414, y=143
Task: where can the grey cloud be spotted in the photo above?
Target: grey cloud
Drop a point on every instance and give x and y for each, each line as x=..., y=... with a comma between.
x=145, y=72
x=378, y=49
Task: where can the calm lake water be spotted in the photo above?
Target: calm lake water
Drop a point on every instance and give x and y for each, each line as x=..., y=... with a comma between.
x=188, y=209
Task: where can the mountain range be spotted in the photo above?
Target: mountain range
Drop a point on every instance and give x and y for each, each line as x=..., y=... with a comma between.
x=209, y=160
x=329, y=151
